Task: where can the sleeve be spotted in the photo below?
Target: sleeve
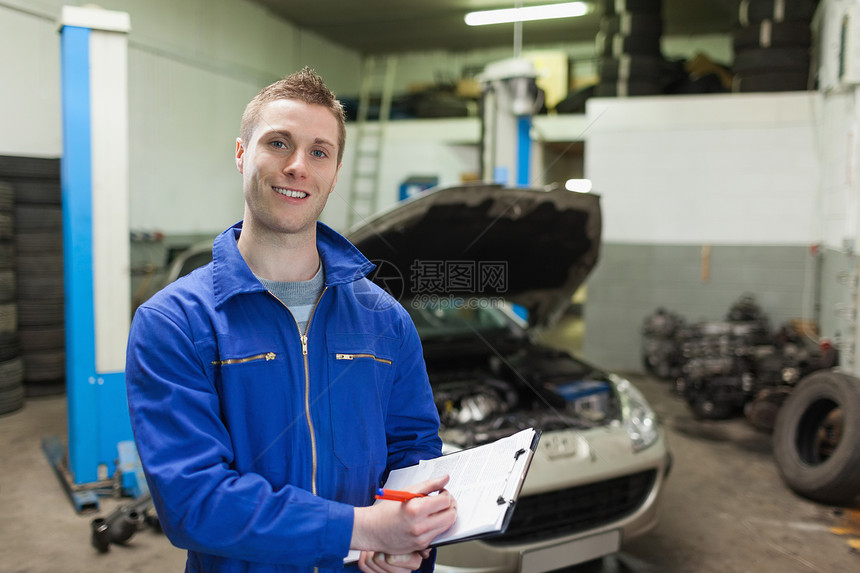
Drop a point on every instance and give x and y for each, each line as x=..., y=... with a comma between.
x=412, y=422
x=185, y=449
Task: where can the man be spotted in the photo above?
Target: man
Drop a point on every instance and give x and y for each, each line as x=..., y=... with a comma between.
x=272, y=390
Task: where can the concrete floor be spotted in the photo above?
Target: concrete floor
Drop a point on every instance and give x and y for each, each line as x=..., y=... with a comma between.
x=725, y=509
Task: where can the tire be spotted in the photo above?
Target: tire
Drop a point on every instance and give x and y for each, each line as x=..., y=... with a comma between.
x=755, y=11
x=7, y=256
x=10, y=348
x=768, y=34
x=40, y=288
x=632, y=25
x=7, y=286
x=626, y=68
x=615, y=45
x=41, y=313
x=772, y=82
x=8, y=317
x=39, y=244
x=626, y=89
x=7, y=197
x=7, y=225
x=42, y=338
x=11, y=399
x=27, y=167
x=45, y=366
x=608, y=7
x=817, y=438
x=38, y=192
x=40, y=266
x=769, y=60
x=11, y=373
x=38, y=218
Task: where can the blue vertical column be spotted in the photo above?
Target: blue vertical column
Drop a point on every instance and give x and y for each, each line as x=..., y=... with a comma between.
x=76, y=176
x=524, y=150
x=94, y=190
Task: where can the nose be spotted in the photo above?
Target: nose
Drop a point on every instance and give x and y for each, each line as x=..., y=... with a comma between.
x=295, y=164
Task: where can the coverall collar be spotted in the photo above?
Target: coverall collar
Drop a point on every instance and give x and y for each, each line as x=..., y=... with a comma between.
x=231, y=276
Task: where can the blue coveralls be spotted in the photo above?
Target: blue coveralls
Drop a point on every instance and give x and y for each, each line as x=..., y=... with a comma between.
x=257, y=440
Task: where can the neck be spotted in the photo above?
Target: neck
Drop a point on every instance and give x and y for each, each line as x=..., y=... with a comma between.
x=280, y=257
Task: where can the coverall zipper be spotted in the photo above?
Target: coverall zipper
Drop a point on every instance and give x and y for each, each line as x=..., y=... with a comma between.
x=267, y=356
x=340, y=356
x=303, y=337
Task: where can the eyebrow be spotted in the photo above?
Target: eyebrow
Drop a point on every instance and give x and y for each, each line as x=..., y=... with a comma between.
x=289, y=135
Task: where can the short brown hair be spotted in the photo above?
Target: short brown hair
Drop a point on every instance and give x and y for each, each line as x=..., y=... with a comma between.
x=304, y=85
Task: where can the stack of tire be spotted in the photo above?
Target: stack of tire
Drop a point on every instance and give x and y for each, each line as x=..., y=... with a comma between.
x=773, y=46
x=630, y=62
x=41, y=297
x=11, y=363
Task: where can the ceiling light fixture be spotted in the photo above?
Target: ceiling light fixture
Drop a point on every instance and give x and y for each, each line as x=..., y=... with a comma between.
x=543, y=12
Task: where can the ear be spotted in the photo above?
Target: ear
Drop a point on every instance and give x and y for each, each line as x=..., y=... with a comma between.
x=240, y=154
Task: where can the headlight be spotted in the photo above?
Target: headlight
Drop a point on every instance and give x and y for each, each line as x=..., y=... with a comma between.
x=639, y=419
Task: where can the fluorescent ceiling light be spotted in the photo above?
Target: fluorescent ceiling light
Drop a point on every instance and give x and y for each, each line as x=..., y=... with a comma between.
x=543, y=12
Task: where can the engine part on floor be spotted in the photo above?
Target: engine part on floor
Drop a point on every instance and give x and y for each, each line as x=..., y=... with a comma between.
x=121, y=524
x=722, y=367
x=817, y=438
x=761, y=412
x=99, y=537
x=661, y=354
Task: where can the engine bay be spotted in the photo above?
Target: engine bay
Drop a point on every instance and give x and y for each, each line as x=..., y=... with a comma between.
x=535, y=388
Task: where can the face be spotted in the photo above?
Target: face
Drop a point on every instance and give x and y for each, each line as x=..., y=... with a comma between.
x=289, y=168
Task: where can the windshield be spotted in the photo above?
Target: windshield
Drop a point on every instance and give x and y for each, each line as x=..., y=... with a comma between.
x=461, y=320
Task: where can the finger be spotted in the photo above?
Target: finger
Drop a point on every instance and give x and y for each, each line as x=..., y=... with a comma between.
x=431, y=485
x=365, y=562
x=375, y=562
x=409, y=561
x=426, y=506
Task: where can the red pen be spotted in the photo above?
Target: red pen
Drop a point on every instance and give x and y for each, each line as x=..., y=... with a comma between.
x=396, y=495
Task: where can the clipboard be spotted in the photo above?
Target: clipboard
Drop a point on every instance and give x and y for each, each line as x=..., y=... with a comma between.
x=486, y=481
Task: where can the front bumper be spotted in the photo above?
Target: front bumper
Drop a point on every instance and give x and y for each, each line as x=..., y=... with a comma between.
x=586, y=494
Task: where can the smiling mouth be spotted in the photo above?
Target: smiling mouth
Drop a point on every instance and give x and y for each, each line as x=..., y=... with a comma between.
x=290, y=193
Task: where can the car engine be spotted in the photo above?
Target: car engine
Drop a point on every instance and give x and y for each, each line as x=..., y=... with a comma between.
x=480, y=406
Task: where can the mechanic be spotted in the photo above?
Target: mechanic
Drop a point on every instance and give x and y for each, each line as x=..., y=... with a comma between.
x=272, y=390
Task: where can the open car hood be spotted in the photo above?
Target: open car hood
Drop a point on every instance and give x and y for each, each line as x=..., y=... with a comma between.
x=533, y=247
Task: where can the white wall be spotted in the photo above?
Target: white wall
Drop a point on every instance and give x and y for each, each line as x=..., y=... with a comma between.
x=445, y=148
x=193, y=65
x=736, y=169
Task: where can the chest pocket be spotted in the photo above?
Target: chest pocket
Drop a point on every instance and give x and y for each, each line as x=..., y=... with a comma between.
x=361, y=370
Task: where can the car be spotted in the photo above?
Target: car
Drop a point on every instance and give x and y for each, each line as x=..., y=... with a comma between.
x=482, y=269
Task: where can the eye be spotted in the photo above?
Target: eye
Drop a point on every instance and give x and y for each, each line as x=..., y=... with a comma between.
x=278, y=144
x=319, y=153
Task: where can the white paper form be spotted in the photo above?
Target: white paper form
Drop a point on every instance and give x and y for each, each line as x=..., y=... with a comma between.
x=484, y=481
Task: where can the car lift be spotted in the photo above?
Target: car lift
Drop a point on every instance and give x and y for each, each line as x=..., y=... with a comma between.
x=94, y=177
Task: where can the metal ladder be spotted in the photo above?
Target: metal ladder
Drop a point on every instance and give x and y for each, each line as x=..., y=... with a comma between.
x=377, y=77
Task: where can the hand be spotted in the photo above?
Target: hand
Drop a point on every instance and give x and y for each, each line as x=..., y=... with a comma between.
x=377, y=562
x=403, y=528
